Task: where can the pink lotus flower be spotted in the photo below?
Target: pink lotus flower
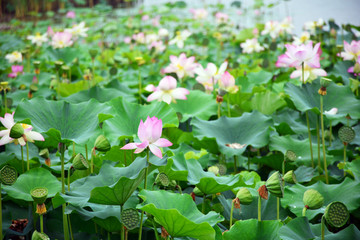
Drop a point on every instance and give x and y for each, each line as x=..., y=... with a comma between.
x=298, y=54
x=352, y=50
x=70, y=14
x=16, y=69
x=227, y=82
x=61, y=40
x=356, y=68
x=156, y=21
x=149, y=134
x=182, y=66
x=145, y=18
x=167, y=91
x=309, y=73
x=139, y=38
x=127, y=40
x=158, y=46
x=29, y=135
x=50, y=32
x=198, y=13
x=209, y=76
x=221, y=17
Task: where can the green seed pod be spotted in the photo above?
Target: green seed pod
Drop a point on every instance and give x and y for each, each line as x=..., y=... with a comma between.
x=214, y=169
x=130, y=218
x=325, y=82
x=198, y=192
x=313, y=199
x=17, y=131
x=275, y=185
x=8, y=175
x=34, y=87
x=36, y=64
x=44, y=153
x=290, y=177
x=39, y=194
x=222, y=169
x=162, y=179
x=93, y=52
x=58, y=65
x=244, y=196
x=346, y=134
x=39, y=236
x=80, y=163
x=336, y=214
x=290, y=155
x=102, y=144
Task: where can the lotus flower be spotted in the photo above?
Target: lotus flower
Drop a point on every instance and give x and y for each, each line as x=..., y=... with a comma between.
x=180, y=38
x=167, y=91
x=139, y=38
x=210, y=75
x=298, y=54
x=16, y=69
x=182, y=66
x=221, y=17
x=303, y=39
x=38, y=39
x=352, y=50
x=272, y=28
x=309, y=73
x=61, y=40
x=78, y=30
x=199, y=13
x=70, y=14
x=29, y=135
x=149, y=133
x=14, y=57
x=227, y=82
x=251, y=45
x=286, y=26
x=356, y=68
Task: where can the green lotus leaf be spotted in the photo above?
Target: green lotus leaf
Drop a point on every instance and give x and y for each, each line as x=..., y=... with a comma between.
x=255, y=79
x=178, y=214
x=297, y=229
x=340, y=97
x=252, y=229
x=198, y=104
x=36, y=177
x=353, y=168
x=60, y=119
x=127, y=117
x=342, y=192
x=249, y=129
x=267, y=102
x=351, y=232
x=289, y=121
x=174, y=168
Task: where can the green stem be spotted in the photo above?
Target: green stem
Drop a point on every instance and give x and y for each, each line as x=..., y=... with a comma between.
x=155, y=229
x=323, y=138
x=108, y=236
x=330, y=134
x=58, y=85
x=145, y=185
x=235, y=163
x=41, y=223
x=140, y=85
x=304, y=211
x=283, y=167
x=27, y=156
x=68, y=179
x=228, y=106
x=318, y=140
x=203, y=205
x=231, y=213
x=302, y=72
x=259, y=209
x=1, y=235
x=65, y=222
x=344, y=158
x=5, y=101
x=93, y=155
x=277, y=208
x=22, y=159
x=219, y=110
x=309, y=132
x=322, y=228
x=70, y=228
x=179, y=187
x=122, y=225
x=93, y=72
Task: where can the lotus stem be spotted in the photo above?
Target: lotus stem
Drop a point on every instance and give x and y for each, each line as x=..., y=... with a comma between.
x=318, y=140
x=108, y=236
x=58, y=84
x=213, y=83
x=309, y=132
x=219, y=110
x=277, y=208
x=155, y=229
x=231, y=213
x=304, y=211
x=5, y=101
x=42, y=223
x=93, y=155
x=27, y=156
x=344, y=158
x=68, y=179
x=65, y=222
x=283, y=165
x=122, y=224
x=1, y=236
x=323, y=138
x=140, y=86
x=235, y=163
x=228, y=106
x=145, y=185
x=259, y=209
x=93, y=71
x=179, y=188
x=330, y=134
x=322, y=228
x=203, y=205
x=70, y=228
x=22, y=158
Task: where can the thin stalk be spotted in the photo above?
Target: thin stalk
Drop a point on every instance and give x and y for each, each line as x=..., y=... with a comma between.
x=322, y=228
x=344, y=158
x=65, y=222
x=323, y=138
x=70, y=228
x=27, y=156
x=180, y=191
x=5, y=101
x=93, y=155
x=318, y=140
x=108, y=236
x=140, y=86
x=145, y=185
x=203, y=205
x=228, y=106
x=93, y=71
x=304, y=211
x=277, y=208
x=283, y=167
x=41, y=223
x=122, y=225
x=330, y=134
x=235, y=163
x=68, y=179
x=1, y=236
x=22, y=159
x=259, y=209
x=219, y=110
x=155, y=229
x=302, y=72
x=231, y=213
x=58, y=84
x=311, y=150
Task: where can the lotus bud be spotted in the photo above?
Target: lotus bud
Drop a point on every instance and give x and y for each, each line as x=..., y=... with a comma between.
x=313, y=199
x=8, y=175
x=162, y=179
x=58, y=65
x=44, y=153
x=93, y=53
x=214, y=169
x=336, y=214
x=102, y=144
x=290, y=177
x=197, y=192
x=39, y=236
x=346, y=134
x=17, y=131
x=130, y=218
x=244, y=196
x=80, y=163
x=275, y=185
x=33, y=88
x=290, y=155
x=222, y=169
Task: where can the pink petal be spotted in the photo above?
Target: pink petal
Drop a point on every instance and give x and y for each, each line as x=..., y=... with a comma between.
x=5, y=140
x=167, y=83
x=155, y=150
x=34, y=136
x=180, y=93
x=139, y=150
x=142, y=145
x=129, y=146
x=4, y=132
x=154, y=96
x=300, y=55
x=142, y=131
x=296, y=74
x=162, y=142
x=8, y=120
x=156, y=131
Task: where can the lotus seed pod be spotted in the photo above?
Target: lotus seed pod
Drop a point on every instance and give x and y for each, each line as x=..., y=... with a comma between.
x=336, y=214
x=44, y=153
x=162, y=179
x=244, y=196
x=130, y=218
x=93, y=52
x=80, y=163
x=39, y=236
x=39, y=194
x=102, y=144
x=222, y=169
x=290, y=177
x=197, y=192
x=290, y=155
x=214, y=169
x=222, y=92
x=275, y=185
x=8, y=175
x=325, y=82
x=313, y=199
x=17, y=131
x=58, y=65
x=346, y=134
